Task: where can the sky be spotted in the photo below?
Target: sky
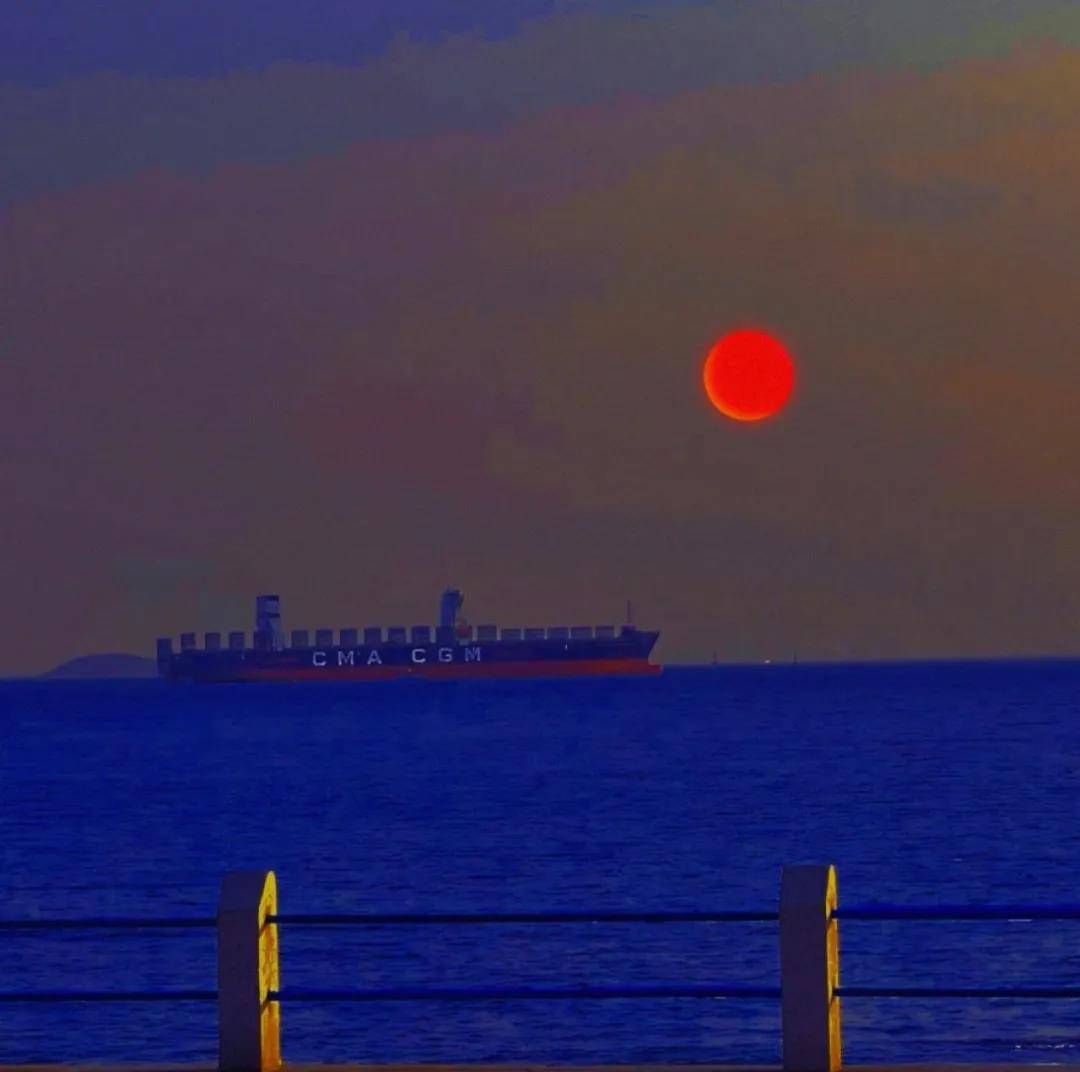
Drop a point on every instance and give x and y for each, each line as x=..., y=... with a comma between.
x=351, y=302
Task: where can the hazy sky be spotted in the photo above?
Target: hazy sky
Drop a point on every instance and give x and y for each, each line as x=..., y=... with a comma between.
x=351, y=301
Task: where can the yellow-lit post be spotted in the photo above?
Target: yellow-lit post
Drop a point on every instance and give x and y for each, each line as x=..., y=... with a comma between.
x=809, y=969
x=249, y=1025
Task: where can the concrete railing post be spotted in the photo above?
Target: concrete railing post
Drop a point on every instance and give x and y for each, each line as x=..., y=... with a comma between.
x=809, y=969
x=249, y=1026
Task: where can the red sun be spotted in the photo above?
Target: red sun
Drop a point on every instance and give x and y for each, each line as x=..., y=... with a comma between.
x=748, y=375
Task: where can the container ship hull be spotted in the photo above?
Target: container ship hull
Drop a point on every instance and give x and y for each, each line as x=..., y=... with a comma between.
x=387, y=662
x=453, y=652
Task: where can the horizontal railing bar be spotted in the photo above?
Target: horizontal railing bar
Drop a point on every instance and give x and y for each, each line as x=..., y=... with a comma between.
x=418, y=918
x=525, y=993
x=843, y=912
x=957, y=912
x=104, y=923
x=109, y=995
x=958, y=992
x=848, y=912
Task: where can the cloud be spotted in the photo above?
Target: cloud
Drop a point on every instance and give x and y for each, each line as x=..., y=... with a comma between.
x=937, y=202
x=46, y=42
x=285, y=92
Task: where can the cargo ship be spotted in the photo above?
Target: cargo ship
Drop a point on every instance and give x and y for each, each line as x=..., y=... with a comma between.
x=451, y=649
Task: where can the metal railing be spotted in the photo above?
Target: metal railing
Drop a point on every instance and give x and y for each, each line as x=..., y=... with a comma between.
x=106, y=923
x=249, y=992
x=369, y=919
x=1013, y=913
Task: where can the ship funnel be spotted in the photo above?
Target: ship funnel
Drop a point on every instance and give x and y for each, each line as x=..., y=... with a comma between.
x=268, y=620
x=452, y=599
x=164, y=655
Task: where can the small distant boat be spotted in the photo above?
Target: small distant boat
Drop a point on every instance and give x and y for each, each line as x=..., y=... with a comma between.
x=452, y=649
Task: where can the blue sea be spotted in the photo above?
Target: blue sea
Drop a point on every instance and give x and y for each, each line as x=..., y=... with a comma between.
x=922, y=783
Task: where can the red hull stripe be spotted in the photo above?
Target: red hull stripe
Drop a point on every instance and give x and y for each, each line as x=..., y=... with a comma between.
x=545, y=668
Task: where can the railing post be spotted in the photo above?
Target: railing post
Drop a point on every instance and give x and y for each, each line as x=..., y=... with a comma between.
x=249, y=1026
x=809, y=969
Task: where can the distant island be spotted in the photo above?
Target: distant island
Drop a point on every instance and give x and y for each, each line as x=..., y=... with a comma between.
x=113, y=664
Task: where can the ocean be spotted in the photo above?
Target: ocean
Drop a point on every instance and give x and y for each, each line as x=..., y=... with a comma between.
x=922, y=783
